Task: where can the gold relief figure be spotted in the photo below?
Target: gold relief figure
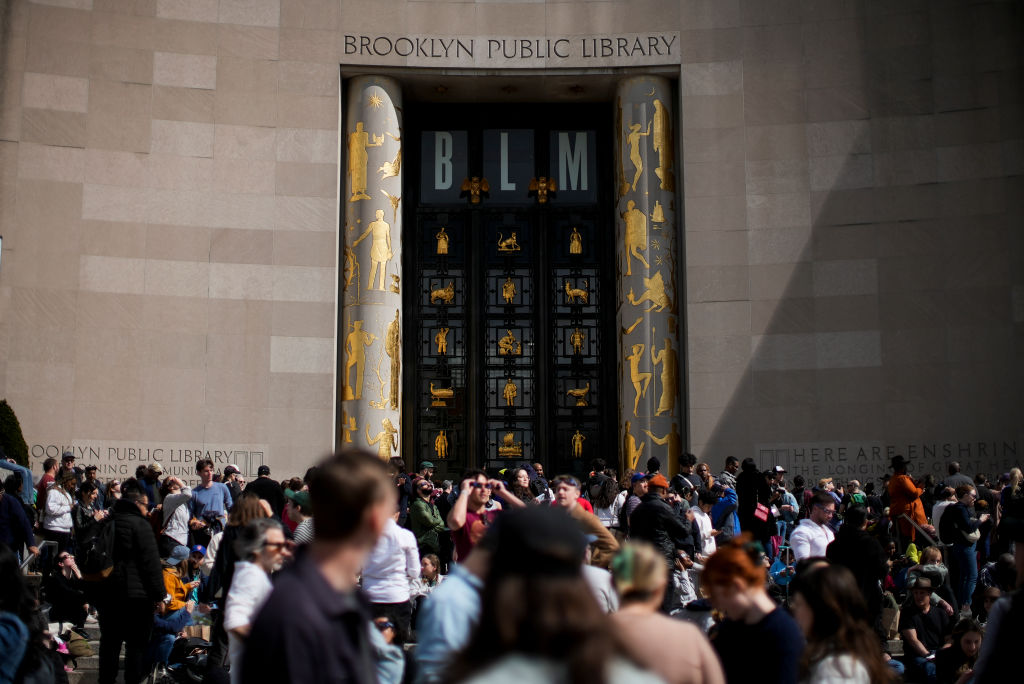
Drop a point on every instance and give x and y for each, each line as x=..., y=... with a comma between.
x=390, y=169
x=576, y=340
x=636, y=235
x=574, y=293
x=358, y=142
x=509, y=244
x=386, y=440
x=509, y=345
x=654, y=293
x=393, y=348
x=348, y=426
x=640, y=380
x=663, y=146
x=579, y=394
x=355, y=355
x=394, y=203
x=575, y=242
x=382, y=383
x=350, y=267
x=508, y=290
x=509, y=446
x=440, y=395
x=441, y=445
x=633, y=140
x=380, y=248
x=630, y=329
x=510, y=393
x=475, y=186
x=542, y=186
x=630, y=451
x=395, y=280
x=442, y=241
x=658, y=215
x=577, y=444
x=441, y=340
x=672, y=439
x=445, y=294
x=669, y=361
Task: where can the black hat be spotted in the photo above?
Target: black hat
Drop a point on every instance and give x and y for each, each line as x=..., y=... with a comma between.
x=898, y=462
x=538, y=540
x=263, y=470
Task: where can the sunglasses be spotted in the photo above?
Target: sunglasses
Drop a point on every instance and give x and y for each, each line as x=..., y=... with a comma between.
x=384, y=624
x=275, y=545
x=481, y=485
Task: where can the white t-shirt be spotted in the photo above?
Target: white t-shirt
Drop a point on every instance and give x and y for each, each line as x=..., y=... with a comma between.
x=176, y=527
x=838, y=669
x=250, y=587
x=703, y=521
x=391, y=566
x=937, y=510
x=809, y=539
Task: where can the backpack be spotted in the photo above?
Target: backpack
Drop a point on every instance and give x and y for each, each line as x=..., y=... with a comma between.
x=95, y=552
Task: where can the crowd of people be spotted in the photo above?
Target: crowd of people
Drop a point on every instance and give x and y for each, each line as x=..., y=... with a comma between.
x=364, y=571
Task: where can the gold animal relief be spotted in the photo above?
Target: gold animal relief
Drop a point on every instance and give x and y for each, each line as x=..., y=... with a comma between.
x=654, y=293
x=509, y=244
x=475, y=186
x=444, y=294
x=541, y=187
x=440, y=395
x=579, y=394
x=574, y=293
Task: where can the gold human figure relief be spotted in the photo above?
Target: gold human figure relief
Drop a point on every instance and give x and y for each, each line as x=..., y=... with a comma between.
x=542, y=186
x=654, y=292
x=386, y=440
x=658, y=215
x=633, y=140
x=442, y=241
x=579, y=394
x=630, y=329
x=640, y=380
x=441, y=340
x=394, y=203
x=358, y=142
x=672, y=439
x=395, y=280
x=509, y=345
x=663, y=146
x=630, y=450
x=393, y=348
x=574, y=293
x=575, y=242
x=391, y=169
x=441, y=445
x=510, y=393
x=576, y=340
x=355, y=355
x=508, y=290
x=669, y=361
x=382, y=383
x=348, y=426
x=475, y=186
x=509, y=244
x=577, y=444
x=509, y=446
x=636, y=235
x=350, y=267
x=380, y=249
x=445, y=294
x=440, y=395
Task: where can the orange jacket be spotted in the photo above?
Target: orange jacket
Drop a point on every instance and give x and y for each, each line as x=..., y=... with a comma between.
x=905, y=497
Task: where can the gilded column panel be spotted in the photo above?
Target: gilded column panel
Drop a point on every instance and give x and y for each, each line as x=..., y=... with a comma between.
x=370, y=341
x=650, y=407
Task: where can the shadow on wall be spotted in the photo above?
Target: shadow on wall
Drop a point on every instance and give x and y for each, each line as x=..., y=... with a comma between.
x=886, y=252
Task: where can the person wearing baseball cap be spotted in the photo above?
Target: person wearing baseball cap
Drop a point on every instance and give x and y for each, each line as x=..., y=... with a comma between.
x=67, y=465
x=629, y=499
x=268, y=489
x=655, y=522
x=231, y=475
x=300, y=509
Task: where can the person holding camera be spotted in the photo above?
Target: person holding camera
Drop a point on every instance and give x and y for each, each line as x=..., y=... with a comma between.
x=470, y=517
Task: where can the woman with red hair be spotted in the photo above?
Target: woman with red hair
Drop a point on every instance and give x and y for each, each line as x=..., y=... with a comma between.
x=755, y=631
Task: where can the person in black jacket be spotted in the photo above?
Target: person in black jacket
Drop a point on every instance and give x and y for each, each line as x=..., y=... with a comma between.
x=654, y=521
x=129, y=596
x=267, y=489
x=66, y=593
x=957, y=527
x=753, y=490
x=863, y=556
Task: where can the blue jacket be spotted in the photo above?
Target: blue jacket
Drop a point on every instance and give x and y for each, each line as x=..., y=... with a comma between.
x=720, y=516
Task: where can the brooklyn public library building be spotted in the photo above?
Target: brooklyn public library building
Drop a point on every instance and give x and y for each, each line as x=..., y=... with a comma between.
x=486, y=232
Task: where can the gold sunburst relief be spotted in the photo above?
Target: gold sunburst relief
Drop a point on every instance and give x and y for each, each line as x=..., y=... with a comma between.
x=375, y=101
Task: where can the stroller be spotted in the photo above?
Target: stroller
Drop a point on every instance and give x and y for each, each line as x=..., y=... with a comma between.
x=185, y=665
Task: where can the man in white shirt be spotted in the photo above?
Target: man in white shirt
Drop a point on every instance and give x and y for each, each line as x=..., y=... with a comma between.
x=813, y=535
x=387, y=574
x=263, y=547
x=947, y=499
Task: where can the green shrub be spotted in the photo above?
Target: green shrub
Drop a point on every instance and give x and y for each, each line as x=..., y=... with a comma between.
x=11, y=439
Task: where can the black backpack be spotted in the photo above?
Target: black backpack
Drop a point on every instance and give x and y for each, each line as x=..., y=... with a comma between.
x=95, y=553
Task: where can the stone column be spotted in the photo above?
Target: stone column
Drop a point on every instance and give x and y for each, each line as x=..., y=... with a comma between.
x=650, y=409
x=370, y=338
